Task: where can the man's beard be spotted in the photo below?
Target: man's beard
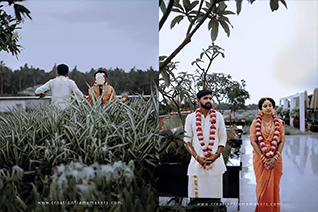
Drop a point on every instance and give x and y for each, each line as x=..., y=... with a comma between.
x=207, y=106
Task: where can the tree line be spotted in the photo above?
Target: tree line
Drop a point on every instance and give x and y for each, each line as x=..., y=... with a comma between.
x=134, y=82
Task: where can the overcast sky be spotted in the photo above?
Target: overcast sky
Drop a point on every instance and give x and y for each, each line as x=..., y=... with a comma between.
x=275, y=52
x=89, y=34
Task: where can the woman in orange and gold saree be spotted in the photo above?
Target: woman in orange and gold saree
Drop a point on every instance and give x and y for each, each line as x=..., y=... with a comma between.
x=101, y=89
x=267, y=138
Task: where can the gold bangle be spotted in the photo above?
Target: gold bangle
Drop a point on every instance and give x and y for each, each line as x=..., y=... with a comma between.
x=276, y=158
x=196, y=157
x=278, y=153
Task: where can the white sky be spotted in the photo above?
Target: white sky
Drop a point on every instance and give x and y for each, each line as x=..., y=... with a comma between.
x=89, y=34
x=275, y=52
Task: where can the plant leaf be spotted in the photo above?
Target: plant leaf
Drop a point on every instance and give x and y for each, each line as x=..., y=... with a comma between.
x=225, y=27
x=193, y=4
x=215, y=30
x=186, y=4
x=163, y=6
x=238, y=6
x=176, y=20
x=274, y=5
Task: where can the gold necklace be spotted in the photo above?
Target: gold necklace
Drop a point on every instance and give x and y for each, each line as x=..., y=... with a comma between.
x=270, y=128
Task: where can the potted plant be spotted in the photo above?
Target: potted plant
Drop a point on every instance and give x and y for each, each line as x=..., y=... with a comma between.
x=279, y=112
x=173, y=163
x=295, y=114
x=285, y=114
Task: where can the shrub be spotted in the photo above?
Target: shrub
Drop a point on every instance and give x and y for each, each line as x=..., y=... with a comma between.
x=294, y=131
x=38, y=140
x=285, y=112
x=295, y=113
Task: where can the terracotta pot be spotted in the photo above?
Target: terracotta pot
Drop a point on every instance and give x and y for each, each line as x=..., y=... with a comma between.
x=296, y=123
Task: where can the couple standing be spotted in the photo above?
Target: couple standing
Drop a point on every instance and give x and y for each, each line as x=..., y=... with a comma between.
x=205, y=135
x=63, y=88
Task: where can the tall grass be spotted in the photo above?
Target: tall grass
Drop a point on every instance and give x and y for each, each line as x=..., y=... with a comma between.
x=37, y=141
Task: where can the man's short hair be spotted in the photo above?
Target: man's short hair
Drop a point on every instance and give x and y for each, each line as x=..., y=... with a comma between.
x=100, y=71
x=202, y=93
x=62, y=69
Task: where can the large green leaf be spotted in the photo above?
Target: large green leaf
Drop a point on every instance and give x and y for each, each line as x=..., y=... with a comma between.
x=176, y=4
x=176, y=20
x=210, y=25
x=284, y=3
x=228, y=12
x=176, y=10
x=162, y=6
x=225, y=27
x=193, y=4
x=215, y=30
x=186, y=4
x=238, y=6
x=274, y=5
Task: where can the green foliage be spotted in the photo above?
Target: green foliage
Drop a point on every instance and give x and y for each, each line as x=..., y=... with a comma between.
x=294, y=131
x=135, y=81
x=278, y=111
x=295, y=113
x=172, y=147
x=197, y=12
x=285, y=112
x=246, y=129
x=9, y=38
x=248, y=116
x=179, y=91
x=44, y=138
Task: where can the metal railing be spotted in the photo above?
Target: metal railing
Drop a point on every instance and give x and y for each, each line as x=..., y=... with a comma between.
x=49, y=97
x=31, y=102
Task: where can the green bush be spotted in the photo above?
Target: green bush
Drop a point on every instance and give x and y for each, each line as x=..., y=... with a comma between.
x=295, y=113
x=278, y=112
x=285, y=112
x=294, y=131
x=249, y=116
x=36, y=141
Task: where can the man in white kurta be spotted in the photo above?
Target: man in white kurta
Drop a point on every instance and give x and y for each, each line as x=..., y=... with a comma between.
x=205, y=183
x=62, y=88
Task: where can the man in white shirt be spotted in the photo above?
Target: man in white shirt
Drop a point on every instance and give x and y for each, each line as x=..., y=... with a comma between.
x=62, y=88
x=205, y=135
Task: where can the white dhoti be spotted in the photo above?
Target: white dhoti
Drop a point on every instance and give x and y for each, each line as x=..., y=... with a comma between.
x=205, y=186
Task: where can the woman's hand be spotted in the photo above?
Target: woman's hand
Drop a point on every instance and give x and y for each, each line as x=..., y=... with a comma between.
x=271, y=162
x=124, y=97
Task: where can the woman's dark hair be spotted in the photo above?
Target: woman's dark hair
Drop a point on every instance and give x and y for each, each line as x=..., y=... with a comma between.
x=203, y=93
x=100, y=71
x=62, y=69
x=262, y=100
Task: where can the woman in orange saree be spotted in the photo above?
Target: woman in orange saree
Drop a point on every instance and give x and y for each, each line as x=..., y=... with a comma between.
x=267, y=139
x=101, y=89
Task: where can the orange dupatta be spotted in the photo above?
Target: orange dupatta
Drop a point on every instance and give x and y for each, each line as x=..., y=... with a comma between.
x=267, y=181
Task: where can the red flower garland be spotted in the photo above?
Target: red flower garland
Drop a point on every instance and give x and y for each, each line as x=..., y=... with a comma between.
x=268, y=153
x=207, y=150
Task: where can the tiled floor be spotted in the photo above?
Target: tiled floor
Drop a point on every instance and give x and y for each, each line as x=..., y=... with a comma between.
x=299, y=183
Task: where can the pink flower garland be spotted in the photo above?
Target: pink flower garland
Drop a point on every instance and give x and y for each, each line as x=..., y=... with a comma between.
x=268, y=153
x=207, y=150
